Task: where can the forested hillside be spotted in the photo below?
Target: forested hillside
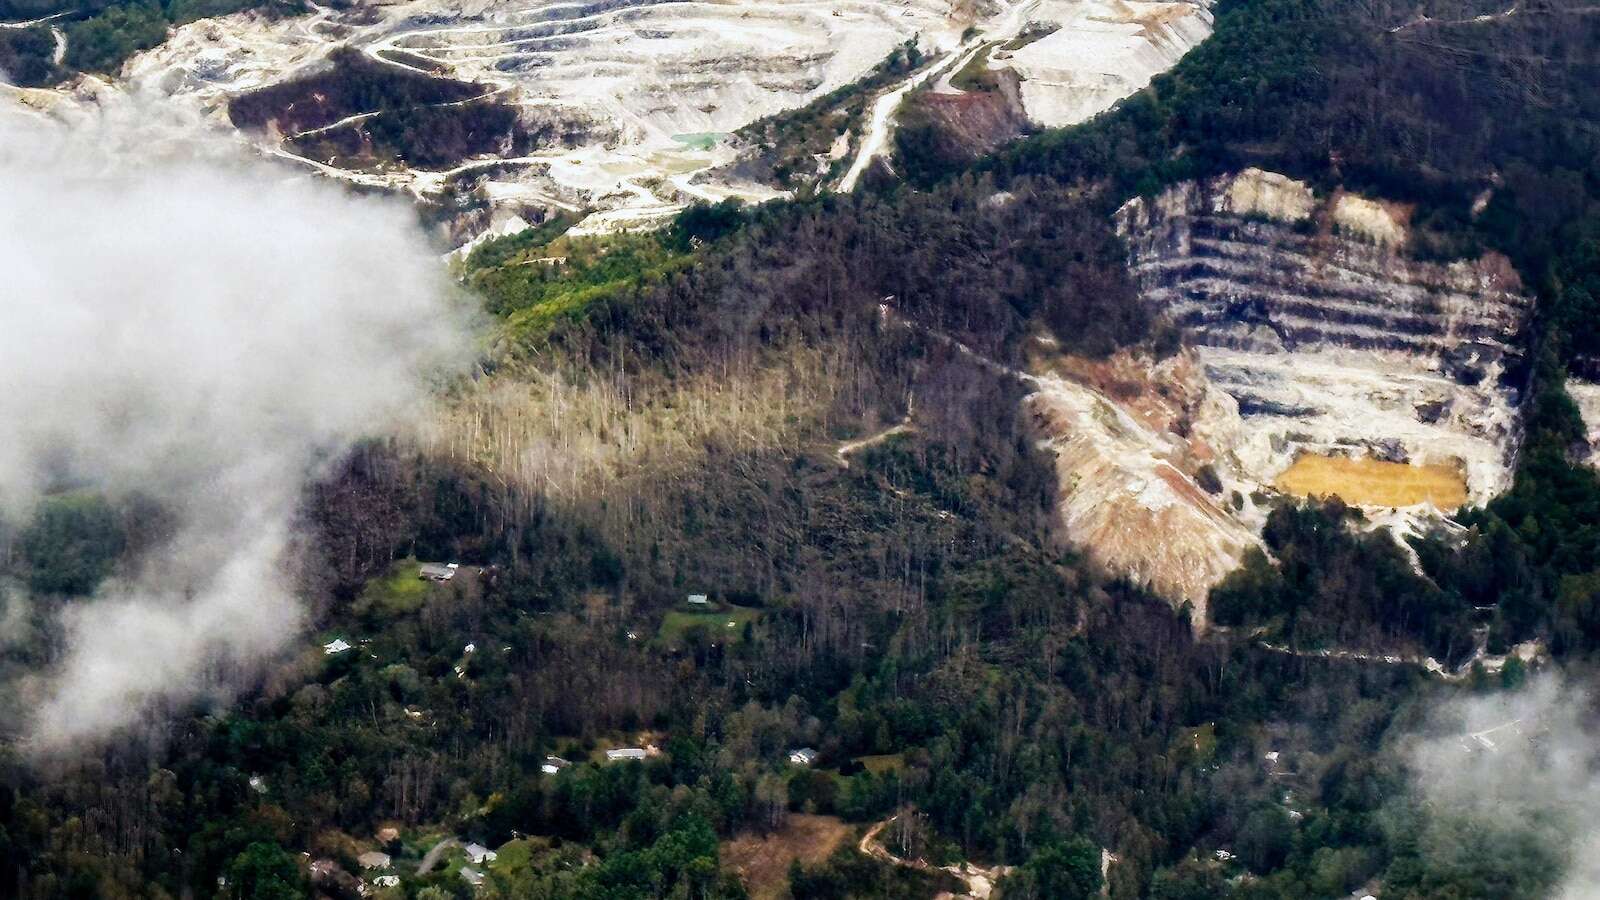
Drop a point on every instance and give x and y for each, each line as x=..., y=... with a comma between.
x=761, y=481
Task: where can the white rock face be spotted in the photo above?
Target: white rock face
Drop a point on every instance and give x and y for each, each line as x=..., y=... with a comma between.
x=1328, y=339
x=1369, y=219
x=1309, y=334
x=1104, y=51
x=1250, y=193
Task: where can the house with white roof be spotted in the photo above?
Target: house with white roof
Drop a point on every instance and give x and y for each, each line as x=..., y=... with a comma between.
x=438, y=571
x=478, y=854
x=373, y=859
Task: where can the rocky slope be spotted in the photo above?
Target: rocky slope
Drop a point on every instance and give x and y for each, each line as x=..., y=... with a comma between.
x=1133, y=442
x=1323, y=360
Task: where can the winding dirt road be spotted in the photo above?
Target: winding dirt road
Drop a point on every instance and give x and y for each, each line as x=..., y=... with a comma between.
x=883, y=110
x=980, y=881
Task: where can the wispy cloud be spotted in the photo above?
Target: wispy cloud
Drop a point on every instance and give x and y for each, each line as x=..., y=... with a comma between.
x=209, y=332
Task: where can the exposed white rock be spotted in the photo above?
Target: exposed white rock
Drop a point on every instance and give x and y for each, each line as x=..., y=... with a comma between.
x=1359, y=216
x=1252, y=192
x=1587, y=395
x=1363, y=403
x=634, y=86
x=1332, y=343
x=629, y=79
x=1128, y=494
x=1104, y=51
x=502, y=224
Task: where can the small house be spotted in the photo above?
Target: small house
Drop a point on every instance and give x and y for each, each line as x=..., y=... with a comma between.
x=472, y=876
x=621, y=753
x=699, y=600
x=373, y=859
x=478, y=854
x=337, y=645
x=438, y=571
x=553, y=764
x=805, y=756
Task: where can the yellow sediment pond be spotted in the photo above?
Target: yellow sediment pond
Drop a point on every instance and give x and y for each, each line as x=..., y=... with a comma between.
x=1373, y=482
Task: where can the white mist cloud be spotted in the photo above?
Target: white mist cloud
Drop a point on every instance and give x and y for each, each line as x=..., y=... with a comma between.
x=1519, y=765
x=181, y=322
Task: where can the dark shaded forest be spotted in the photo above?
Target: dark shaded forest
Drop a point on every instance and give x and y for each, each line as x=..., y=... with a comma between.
x=354, y=84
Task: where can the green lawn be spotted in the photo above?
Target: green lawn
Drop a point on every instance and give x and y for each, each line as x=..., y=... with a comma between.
x=397, y=592
x=678, y=622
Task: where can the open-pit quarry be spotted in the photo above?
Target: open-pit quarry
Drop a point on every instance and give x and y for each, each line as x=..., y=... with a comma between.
x=1321, y=360
x=619, y=111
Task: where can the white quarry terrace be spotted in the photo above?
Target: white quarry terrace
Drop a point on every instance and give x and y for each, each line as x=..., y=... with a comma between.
x=645, y=94
x=1332, y=340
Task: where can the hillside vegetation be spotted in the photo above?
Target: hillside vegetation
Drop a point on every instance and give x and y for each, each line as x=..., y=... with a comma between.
x=659, y=417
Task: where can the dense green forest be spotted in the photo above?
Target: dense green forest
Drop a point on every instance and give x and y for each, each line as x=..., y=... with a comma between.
x=906, y=614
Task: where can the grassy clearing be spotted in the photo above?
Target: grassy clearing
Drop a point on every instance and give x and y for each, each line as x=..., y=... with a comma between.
x=762, y=861
x=1372, y=482
x=397, y=592
x=1201, y=741
x=675, y=627
x=975, y=75
x=884, y=763
x=538, y=285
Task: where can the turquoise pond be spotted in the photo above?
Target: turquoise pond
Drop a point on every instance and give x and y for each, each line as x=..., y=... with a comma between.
x=700, y=140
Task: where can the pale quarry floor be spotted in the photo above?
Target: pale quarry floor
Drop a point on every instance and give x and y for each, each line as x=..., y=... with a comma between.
x=636, y=79
x=1103, y=52
x=1348, y=400
x=1374, y=482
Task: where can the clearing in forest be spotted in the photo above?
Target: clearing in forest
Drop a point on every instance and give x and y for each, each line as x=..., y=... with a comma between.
x=724, y=625
x=1374, y=482
x=762, y=861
